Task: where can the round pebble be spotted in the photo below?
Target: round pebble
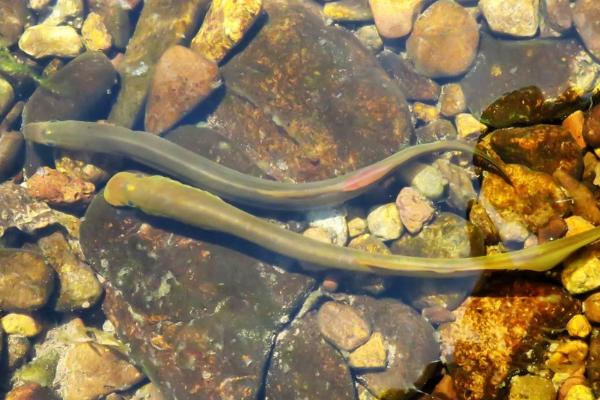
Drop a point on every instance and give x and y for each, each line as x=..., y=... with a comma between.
x=384, y=222
x=370, y=38
x=579, y=326
x=511, y=17
x=20, y=324
x=586, y=16
x=580, y=392
x=452, y=100
x=591, y=307
x=41, y=41
x=444, y=40
x=414, y=208
x=394, y=19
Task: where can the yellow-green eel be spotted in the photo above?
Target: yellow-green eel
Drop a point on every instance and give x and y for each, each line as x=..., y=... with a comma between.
x=164, y=197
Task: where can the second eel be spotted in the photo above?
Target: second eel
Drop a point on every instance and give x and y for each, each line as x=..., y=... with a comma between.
x=189, y=167
x=164, y=197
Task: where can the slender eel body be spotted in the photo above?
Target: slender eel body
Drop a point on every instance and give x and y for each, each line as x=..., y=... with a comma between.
x=164, y=197
x=189, y=167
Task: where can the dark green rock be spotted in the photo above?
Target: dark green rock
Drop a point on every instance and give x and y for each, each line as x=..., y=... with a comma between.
x=305, y=366
x=412, y=348
x=162, y=23
x=447, y=236
x=115, y=18
x=81, y=90
x=528, y=81
x=543, y=148
x=308, y=101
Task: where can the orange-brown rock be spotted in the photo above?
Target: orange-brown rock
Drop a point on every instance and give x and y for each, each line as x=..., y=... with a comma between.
x=532, y=198
x=574, y=124
x=30, y=391
x=584, y=203
x=56, y=188
x=500, y=329
x=182, y=79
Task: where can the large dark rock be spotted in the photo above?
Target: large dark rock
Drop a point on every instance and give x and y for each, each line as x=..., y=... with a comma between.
x=308, y=101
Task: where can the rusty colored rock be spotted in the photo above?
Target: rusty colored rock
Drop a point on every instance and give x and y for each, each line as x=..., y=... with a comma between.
x=533, y=198
x=182, y=79
x=30, y=391
x=224, y=27
x=281, y=121
x=444, y=40
x=495, y=330
x=584, y=202
x=543, y=148
x=574, y=124
x=57, y=189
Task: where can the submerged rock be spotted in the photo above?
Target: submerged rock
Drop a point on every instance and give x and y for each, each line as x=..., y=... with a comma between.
x=348, y=11
x=332, y=120
x=41, y=41
x=14, y=17
x=518, y=18
x=394, y=19
x=57, y=189
x=414, y=85
x=26, y=282
x=586, y=15
x=500, y=329
x=115, y=18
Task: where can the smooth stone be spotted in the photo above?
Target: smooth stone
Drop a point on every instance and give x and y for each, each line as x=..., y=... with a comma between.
x=468, y=127
x=26, y=282
x=14, y=18
x=66, y=12
x=592, y=368
x=408, y=339
x=557, y=14
x=357, y=226
x=448, y=236
x=582, y=272
x=414, y=208
x=94, y=34
x=591, y=307
x=452, y=100
x=78, y=286
x=519, y=18
x=370, y=244
x=41, y=41
x=447, y=294
x=425, y=178
x=89, y=371
x=30, y=391
x=531, y=387
x=7, y=96
x=579, y=326
x=394, y=18
x=435, y=131
x=342, y=325
x=586, y=16
x=461, y=191
x=505, y=87
x=414, y=85
x=583, y=199
x=333, y=221
x=425, y=112
x=370, y=38
x=20, y=324
x=371, y=355
x=556, y=228
x=580, y=392
x=384, y=222
x=348, y=11
x=444, y=40
x=305, y=366
x=182, y=80
x=224, y=26
x=499, y=329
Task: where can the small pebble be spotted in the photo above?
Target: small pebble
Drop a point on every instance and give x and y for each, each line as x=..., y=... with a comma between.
x=57, y=189
x=66, y=11
x=7, y=97
x=574, y=124
x=586, y=16
x=41, y=41
x=444, y=40
x=569, y=383
x=438, y=130
x=94, y=33
x=384, y=222
x=425, y=112
x=30, y=391
x=18, y=348
x=567, y=358
x=370, y=38
x=577, y=224
x=394, y=19
x=579, y=326
x=357, y=226
x=519, y=18
x=348, y=11
x=426, y=179
x=554, y=229
x=38, y=5
x=330, y=284
x=437, y=315
x=531, y=387
x=452, y=100
x=20, y=324
x=414, y=208
x=341, y=325
x=319, y=234
x=582, y=272
x=580, y=392
x=591, y=307
x=469, y=127
x=333, y=221
x=461, y=192
x=370, y=244
x=557, y=14
x=371, y=355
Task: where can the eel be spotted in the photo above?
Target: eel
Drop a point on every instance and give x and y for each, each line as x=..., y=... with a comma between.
x=191, y=168
x=164, y=197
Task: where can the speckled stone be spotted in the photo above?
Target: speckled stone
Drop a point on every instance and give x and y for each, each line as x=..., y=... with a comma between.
x=342, y=325
x=348, y=10
x=41, y=41
x=582, y=271
x=452, y=100
x=518, y=18
x=94, y=33
x=371, y=355
x=531, y=387
x=384, y=222
x=370, y=38
x=333, y=221
x=414, y=208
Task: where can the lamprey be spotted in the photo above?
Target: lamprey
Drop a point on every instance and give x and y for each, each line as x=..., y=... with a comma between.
x=189, y=167
x=164, y=197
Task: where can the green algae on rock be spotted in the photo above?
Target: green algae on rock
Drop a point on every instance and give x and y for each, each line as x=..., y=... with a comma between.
x=355, y=114
x=163, y=24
